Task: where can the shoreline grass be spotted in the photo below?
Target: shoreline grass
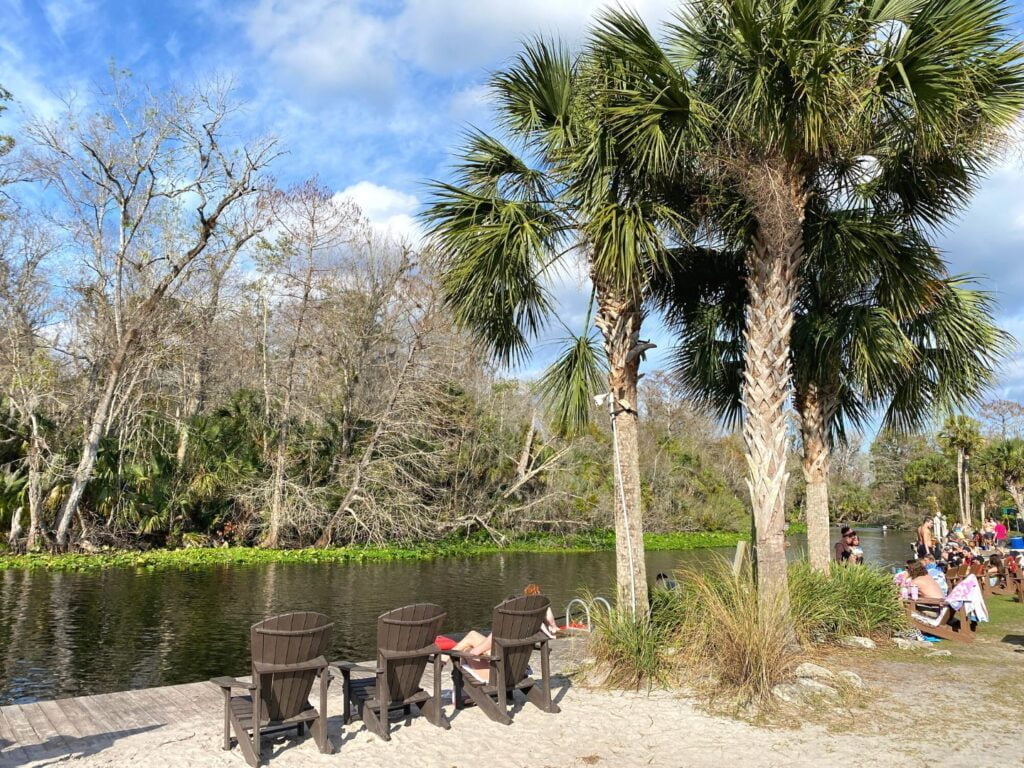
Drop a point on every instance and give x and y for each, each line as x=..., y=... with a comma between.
x=197, y=557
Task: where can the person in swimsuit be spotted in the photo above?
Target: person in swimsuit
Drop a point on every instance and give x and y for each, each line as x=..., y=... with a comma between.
x=478, y=644
x=925, y=541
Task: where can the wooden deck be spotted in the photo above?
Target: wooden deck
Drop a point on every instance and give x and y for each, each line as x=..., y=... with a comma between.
x=45, y=732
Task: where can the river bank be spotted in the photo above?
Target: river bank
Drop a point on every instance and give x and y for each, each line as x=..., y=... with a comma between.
x=195, y=557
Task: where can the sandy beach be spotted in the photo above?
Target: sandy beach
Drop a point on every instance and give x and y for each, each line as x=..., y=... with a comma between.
x=180, y=726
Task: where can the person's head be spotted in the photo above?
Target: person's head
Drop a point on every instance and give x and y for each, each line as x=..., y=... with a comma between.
x=846, y=532
x=995, y=560
x=661, y=578
x=531, y=589
x=929, y=522
x=927, y=560
x=916, y=568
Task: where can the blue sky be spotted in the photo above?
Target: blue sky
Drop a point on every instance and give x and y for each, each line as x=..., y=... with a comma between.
x=372, y=95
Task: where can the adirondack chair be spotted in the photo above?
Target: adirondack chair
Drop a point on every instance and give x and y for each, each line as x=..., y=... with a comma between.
x=287, y=655
x=515, y=635
x=939, y=625
x=405, y=644
x=954, y=575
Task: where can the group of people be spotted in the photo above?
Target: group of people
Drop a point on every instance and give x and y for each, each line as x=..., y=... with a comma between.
x=982, y=550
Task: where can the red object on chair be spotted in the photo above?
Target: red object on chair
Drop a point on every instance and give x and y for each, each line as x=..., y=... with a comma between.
x=444, y=642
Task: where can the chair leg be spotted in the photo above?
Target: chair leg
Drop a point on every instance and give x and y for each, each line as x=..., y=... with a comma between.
x=458, y=684
x=375, y=724
x=227, y=720
x=432, y=707
x=250, y=745
x=319, y=730
x=489, y=706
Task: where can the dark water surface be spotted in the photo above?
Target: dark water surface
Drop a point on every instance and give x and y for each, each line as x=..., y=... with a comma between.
x=72, y=634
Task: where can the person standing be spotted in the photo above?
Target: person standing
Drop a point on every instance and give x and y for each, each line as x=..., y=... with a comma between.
x=1000, y=532
x=925, y=538
x=843, y=549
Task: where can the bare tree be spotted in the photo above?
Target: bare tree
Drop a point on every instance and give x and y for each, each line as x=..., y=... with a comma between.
x=27, y=370
x=143, y=185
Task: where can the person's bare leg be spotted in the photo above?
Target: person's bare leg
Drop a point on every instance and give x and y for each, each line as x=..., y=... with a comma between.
x=470, y=641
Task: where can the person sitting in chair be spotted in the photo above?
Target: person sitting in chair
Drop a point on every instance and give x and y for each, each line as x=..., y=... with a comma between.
x=478, y=644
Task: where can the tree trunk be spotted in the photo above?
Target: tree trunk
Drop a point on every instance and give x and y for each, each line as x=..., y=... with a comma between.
x=960, y=486
x=967, y=488
x=91, y=443
x=773, y=263
x=1017, y=494
x=814, y=419
x=619, y=318
x=35, y=486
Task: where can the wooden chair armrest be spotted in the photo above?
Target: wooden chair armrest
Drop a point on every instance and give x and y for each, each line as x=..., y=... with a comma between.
x=470, y=656
x=228, y=683
x=269, y=669
x=348, y=667
x=429, y=650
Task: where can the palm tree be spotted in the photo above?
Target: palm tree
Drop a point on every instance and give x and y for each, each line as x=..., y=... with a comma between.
x=1003, y=460
x=509, y=222
x=878, y=325
x=781, y=102
x=962, y=434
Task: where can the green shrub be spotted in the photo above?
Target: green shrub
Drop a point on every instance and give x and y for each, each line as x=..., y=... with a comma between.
x=714, y=630
x=844, y=601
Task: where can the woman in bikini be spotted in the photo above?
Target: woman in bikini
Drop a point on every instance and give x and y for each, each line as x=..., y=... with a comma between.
x=477, y=644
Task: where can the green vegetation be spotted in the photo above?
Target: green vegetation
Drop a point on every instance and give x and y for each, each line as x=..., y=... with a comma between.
x=463, y=547
x=715, y=632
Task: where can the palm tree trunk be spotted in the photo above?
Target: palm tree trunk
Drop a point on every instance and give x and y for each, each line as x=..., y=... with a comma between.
x=960, y=486
x=619, y=318
x=967, y=487
x=814, y=431
x=773, y=263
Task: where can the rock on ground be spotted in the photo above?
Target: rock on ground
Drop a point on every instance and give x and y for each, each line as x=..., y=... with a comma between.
x=852, y=641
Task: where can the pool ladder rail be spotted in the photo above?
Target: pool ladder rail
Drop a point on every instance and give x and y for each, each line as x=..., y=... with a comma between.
x=583, y=610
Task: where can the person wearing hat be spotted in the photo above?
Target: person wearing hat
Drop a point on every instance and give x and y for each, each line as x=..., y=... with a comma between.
x=843, y=548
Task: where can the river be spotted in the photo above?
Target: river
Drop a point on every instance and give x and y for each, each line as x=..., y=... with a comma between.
x=79, y=633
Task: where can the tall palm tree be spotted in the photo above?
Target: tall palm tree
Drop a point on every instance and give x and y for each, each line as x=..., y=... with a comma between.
x=781, y=100
x=878, y=325
x=962, y=434
x=511, y=220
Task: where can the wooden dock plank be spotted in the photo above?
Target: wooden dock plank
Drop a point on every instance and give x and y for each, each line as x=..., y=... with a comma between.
x=82, y=719
x=59, y=721
x=8, y=733
x=52, y=740
x=26, y=734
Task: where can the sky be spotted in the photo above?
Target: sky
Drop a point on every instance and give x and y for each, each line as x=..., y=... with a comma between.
x=373, y=95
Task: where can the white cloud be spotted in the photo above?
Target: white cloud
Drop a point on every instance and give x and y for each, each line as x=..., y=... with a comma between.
x=339, y=45
x=61, y=13
x=391, y=211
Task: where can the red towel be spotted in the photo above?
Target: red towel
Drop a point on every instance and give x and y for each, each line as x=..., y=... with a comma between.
x=444, y=642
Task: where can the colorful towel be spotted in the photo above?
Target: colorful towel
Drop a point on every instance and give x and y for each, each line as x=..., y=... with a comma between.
x=968, y=594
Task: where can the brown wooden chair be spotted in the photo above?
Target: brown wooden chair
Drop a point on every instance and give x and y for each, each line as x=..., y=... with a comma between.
x=287, y=655
x=405, y=644
x=955, y=575
x=947, y=623
x=515, y=635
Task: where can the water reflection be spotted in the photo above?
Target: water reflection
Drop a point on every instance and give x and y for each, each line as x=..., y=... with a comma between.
x=66, y=634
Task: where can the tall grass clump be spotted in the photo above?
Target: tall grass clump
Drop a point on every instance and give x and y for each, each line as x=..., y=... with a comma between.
x=634, y=651
x=845, y=601
x=715, y=633
x=732, y=643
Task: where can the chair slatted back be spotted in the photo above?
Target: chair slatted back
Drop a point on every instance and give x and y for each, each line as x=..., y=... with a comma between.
x=411, y=628
x=291, y=638
x=518, y=618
